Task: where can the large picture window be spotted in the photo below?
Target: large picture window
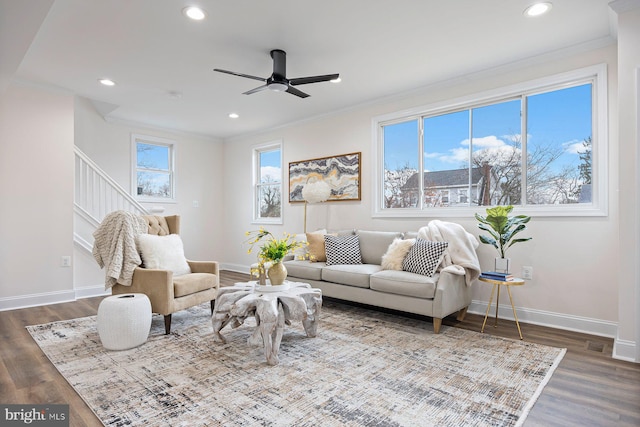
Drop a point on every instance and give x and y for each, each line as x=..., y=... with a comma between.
x=267, y=193
x=153, y=173
x=539, y=146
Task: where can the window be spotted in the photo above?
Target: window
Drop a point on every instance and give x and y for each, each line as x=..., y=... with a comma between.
x=153, y=173
x=540, y=146
x=267, y=161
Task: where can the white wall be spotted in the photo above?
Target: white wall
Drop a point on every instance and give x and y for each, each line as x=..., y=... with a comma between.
x=572, y=284
x=199, y=166
x=198, y=174
x=36, y=195
x=628, y=340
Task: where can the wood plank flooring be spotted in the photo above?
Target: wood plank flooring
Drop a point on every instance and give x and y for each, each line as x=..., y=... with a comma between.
x=589, y=388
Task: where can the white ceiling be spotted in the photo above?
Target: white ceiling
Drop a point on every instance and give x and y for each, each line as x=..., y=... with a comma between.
x=379, y=47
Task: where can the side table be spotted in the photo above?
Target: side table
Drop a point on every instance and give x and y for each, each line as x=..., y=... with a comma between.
x=124, y=321
x=496, y=284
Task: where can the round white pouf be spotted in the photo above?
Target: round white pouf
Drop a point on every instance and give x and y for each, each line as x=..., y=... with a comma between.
x=124, y=321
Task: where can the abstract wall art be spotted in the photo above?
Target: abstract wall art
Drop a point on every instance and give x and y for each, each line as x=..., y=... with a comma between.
x=341, y=173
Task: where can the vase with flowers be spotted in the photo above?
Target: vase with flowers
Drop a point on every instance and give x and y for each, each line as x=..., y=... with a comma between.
x=272, y=252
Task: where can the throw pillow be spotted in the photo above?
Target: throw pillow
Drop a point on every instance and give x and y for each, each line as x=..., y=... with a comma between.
x=396, y=253
x=163, y=252
x=342, y=249
x=316, y=247
x=424, y=257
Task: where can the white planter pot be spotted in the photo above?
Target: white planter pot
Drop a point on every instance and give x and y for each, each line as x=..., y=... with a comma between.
x=503, y=265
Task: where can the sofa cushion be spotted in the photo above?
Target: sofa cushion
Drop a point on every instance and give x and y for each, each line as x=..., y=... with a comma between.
x=342, y=250
x=424, y=257
x=351, y=275
x=404, y=283
x=316, y=247
x=396, y=253
x=191, y=283
x=163, y=253
x=374, y=244
x=304, y=269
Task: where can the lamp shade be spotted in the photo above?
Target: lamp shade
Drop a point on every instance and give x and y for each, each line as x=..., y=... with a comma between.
x=316, y=192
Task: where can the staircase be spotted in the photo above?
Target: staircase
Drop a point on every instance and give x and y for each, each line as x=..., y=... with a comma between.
x=96, y=194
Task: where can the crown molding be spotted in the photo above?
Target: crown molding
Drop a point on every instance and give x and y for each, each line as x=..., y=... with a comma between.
x=622, y=6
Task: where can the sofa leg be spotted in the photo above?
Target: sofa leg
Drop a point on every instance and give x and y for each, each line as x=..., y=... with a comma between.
x=436, y=325
x=462, y=313
x=167, y=324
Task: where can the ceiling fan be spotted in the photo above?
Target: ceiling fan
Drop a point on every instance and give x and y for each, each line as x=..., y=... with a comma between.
x=278, y=80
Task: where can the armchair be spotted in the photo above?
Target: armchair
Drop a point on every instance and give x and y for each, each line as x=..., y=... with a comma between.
x=169, y=294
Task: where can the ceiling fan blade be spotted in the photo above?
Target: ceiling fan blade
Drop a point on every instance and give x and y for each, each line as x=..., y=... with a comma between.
x=297, y=92
x=233, y=73
x=258, y=89
x=313, y=79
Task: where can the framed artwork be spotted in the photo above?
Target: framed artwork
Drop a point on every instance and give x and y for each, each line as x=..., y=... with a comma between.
x=341, y=173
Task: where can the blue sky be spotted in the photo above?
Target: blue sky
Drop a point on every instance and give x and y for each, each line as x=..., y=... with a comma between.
x=561, y=119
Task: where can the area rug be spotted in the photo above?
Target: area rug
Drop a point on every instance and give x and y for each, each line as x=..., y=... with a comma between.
x=363, y=369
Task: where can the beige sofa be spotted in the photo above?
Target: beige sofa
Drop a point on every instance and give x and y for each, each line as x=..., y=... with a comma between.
x=368, y=283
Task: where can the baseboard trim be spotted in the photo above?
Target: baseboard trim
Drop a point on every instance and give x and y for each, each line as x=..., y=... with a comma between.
x=238, y=268
x=625, y=350
x=550, y=319
x=91, y=291
x=35, y=300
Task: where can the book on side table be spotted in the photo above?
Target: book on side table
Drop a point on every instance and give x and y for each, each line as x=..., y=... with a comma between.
x=496, y=275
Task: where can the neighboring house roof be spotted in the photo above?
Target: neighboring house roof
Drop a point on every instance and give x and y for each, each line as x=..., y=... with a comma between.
x=446, y=178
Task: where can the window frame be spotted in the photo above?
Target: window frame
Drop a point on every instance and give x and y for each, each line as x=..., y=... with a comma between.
x=256, y=184
x=596, y=75
x=152, y=140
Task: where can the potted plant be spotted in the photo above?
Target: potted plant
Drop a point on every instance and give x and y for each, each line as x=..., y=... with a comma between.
x=272, y=251
x=502, y=231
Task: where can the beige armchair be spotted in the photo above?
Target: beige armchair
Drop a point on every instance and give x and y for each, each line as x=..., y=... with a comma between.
x=170, y=294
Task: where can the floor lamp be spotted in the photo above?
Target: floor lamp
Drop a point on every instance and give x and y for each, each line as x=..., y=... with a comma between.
x=314, y=192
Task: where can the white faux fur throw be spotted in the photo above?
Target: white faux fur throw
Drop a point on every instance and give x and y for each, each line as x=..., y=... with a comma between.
x=460, y=257
x=114, y=247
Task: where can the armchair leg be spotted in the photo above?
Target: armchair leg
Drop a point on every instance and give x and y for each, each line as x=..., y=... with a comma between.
x=167, y=324
x=462, y=313
x=213, y=304
x=436, y=325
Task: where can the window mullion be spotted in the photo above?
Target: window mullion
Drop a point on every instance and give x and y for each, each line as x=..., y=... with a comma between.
x=523, y=149
x=469, y=188
x=421, y=162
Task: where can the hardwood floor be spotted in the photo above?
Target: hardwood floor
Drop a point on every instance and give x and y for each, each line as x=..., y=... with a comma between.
x=589, y=388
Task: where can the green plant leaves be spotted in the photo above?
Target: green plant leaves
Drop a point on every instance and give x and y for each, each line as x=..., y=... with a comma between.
x=502, y=228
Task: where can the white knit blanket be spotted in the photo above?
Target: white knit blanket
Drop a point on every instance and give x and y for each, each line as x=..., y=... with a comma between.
x=114, y=247
x=460, y=257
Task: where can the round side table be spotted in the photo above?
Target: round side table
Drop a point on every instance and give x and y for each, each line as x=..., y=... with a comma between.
x=496, y=284
x=124, y=321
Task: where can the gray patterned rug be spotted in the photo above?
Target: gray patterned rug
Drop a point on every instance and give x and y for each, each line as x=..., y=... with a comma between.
x=363, y=369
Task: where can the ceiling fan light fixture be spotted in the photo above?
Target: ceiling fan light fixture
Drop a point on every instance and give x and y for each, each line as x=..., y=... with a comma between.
x=233, y=115
x=194, y=12
x=537, y=9
x=278, y=87
x=107, y=82
x=338, y=80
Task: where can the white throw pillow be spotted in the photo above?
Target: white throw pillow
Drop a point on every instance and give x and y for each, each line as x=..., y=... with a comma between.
x=163, y=252
x=396, y=253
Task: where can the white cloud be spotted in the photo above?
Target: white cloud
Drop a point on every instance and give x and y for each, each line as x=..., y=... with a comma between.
x=272, y=172
x=574, y=147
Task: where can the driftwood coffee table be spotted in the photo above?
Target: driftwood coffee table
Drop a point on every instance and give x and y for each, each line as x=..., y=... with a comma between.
x=272, y=307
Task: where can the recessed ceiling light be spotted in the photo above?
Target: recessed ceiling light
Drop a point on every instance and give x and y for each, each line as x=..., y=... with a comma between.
x=538, y=9
x=107, y=82
x=194, y=13
x=233, y=115
x=338, y=80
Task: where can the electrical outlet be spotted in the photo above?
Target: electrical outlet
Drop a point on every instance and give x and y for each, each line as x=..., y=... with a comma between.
x=65, y=261
x=527, y=272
